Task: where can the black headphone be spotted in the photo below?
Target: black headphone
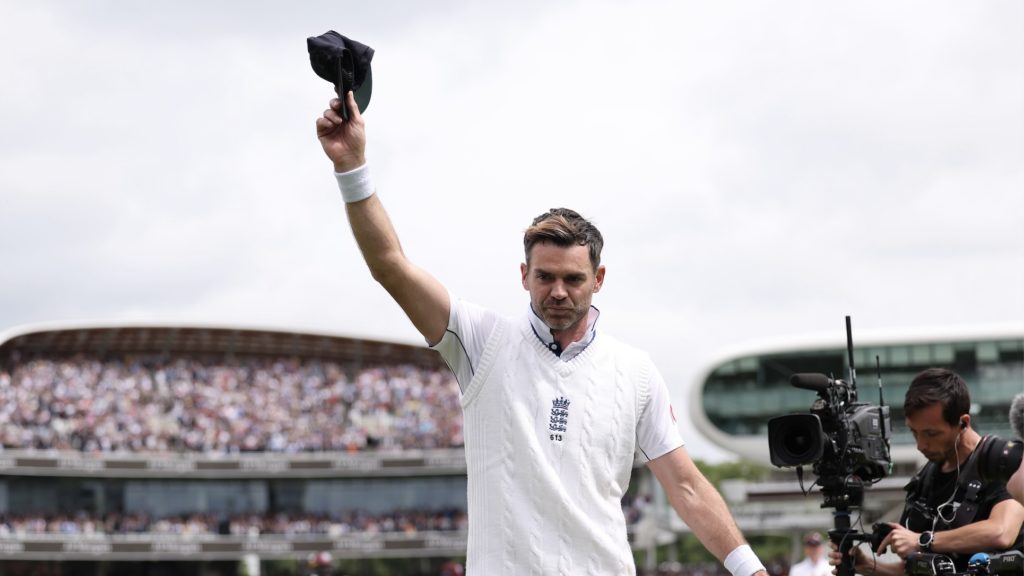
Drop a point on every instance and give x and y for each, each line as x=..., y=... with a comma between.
x=963, y=424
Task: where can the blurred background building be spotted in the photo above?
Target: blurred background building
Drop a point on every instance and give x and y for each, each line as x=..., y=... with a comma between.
x=736, y=395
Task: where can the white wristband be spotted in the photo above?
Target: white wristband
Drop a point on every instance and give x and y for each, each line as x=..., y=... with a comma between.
x=355, y=184
x=742, y=561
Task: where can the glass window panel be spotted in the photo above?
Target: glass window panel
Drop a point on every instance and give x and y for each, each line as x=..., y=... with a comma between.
x=1011, y=345
x=173, y=497
x=920, y=355
x=771, y=402
x=748, y=364
x=899, y=355
x=1011, y=351
x=942, y=353
x=987, y=352
x=881, y=353
x=377, y=496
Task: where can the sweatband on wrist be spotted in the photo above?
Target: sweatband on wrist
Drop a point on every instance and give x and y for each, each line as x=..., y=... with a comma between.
x=742, y=561
x=355, y=185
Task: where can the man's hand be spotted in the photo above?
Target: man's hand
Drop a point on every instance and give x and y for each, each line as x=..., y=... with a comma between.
x=861, y=563
x=343, y=141
x=865, y=563
x=902, y=541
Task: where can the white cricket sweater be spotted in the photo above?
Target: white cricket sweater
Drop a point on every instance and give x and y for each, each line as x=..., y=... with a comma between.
x=549, y=448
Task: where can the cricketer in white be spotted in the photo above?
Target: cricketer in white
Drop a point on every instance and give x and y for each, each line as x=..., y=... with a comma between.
x=553, y=408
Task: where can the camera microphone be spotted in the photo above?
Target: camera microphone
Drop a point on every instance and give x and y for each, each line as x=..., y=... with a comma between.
x=816, y=382
x=1017, y=416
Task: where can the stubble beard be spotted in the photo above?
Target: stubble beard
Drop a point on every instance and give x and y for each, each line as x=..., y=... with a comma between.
x=561, y=321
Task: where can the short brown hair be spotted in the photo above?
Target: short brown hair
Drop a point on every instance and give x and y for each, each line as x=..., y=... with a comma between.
x=938, y=386
x=565, y=228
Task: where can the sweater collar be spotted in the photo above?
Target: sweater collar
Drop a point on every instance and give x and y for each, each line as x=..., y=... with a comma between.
x=543, y=333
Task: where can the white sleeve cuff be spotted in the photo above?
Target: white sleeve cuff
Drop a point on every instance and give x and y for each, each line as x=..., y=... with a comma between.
x=742, y=561
x=355, y=184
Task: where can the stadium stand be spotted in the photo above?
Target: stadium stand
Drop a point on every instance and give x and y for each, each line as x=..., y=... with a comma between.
x=159, y=404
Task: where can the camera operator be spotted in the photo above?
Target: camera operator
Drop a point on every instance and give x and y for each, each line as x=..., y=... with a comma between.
x=949, y=509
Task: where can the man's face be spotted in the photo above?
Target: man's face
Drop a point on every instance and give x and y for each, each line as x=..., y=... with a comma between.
x=814, y=551
x=561, y=282
x=935, y=437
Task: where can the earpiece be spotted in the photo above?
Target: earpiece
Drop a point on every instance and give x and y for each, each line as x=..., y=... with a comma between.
x=963, y=424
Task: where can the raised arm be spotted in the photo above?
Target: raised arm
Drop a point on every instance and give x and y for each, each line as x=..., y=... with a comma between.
x=421, y=296
x=699, y=505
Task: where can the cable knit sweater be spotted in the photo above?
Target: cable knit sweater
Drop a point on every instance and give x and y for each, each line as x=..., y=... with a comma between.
x=550, y=446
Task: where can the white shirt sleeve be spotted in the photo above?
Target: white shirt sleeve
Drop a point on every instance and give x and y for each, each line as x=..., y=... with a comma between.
x=657, y=433
x=469, y=327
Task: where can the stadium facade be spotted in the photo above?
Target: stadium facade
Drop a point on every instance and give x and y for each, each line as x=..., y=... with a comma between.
x=736, y=394
x=193, y=503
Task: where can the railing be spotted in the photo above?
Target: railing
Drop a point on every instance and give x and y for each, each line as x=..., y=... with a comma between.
x=169, y=547
x=135, y=547
x=229, y=466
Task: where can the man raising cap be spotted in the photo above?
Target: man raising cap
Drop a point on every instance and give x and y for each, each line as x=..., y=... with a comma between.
x=554, y=409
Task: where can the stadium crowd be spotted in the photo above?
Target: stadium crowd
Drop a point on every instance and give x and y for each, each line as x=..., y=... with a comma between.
x=183, y=404
x=249, y=525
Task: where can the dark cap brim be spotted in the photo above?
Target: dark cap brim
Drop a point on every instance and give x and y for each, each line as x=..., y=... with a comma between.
x=363, y=93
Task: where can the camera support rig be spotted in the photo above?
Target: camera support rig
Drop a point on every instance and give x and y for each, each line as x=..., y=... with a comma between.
x=847, y=494
x=843, y=497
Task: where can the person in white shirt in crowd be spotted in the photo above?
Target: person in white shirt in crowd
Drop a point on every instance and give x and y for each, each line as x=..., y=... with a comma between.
x=815, y=562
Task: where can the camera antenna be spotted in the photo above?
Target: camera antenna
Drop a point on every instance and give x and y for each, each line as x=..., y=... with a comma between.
x=881, y=411
x=878, y=368
x=849, y=351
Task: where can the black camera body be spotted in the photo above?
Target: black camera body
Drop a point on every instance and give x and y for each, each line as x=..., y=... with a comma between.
x=840, y=437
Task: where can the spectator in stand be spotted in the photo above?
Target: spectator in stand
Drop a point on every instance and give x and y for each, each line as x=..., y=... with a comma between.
x=815, y=563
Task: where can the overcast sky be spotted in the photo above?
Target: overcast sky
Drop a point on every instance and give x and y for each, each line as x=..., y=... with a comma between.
x=758, y=169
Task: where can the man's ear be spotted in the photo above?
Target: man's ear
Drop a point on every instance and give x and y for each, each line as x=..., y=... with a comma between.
x=599, y=278
x=522, y=270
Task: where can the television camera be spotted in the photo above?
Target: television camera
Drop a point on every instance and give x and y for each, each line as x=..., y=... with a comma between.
x=845, y=441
